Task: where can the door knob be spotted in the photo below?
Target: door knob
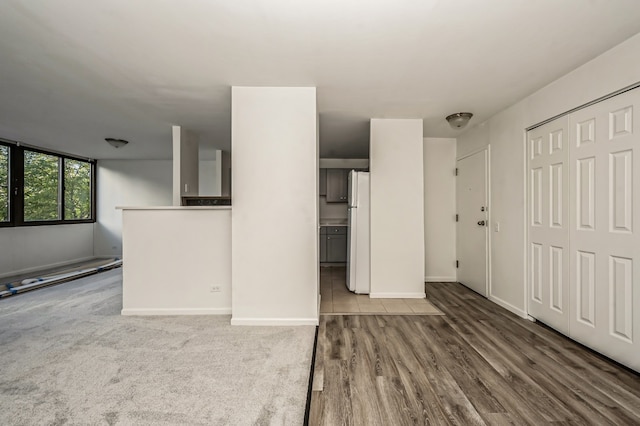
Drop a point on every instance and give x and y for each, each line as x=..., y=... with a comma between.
x=481, y=222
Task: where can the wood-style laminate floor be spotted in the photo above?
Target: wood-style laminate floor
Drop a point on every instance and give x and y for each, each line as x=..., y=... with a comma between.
x=477, y=364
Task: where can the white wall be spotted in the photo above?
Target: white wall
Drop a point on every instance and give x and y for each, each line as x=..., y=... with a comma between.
x=397, y=208
x=439, y=209
x=613, y=70
x=127, y=183
x=275, y=206
x=185, y=164
x=473, y=140
x=172, y=259
x=209, y=175
x=30, y=248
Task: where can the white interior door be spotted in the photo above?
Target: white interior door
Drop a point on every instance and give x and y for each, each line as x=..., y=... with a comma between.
x=605, y=215
x=472, y=208
x=548, y=185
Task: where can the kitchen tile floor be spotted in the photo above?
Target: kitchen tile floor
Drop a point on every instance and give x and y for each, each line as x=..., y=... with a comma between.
x=337, y=299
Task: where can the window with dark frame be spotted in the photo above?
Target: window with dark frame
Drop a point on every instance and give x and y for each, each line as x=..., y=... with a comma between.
x=77, y=189
x=41, y=187
x=38, y=187
x=4, y=184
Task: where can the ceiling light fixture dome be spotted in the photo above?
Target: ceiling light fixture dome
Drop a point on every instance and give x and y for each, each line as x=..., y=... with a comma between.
x=459, y=119
x=116, y=143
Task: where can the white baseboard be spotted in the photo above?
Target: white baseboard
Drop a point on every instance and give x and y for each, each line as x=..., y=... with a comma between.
x=508, y=306
x=108, y=256
x=274, y=321
x=440, y=279
x=172, y=311
x=42, y=267
x=398, y=295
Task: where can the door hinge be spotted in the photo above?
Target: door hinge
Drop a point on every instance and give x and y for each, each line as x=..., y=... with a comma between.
x=456, y=218
x=456, y=171
x=457, y=264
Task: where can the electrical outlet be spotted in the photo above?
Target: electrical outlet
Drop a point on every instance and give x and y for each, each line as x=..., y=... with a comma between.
x=215, y=289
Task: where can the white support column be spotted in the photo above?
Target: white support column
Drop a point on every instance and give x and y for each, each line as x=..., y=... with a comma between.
x=275, y=206
x=397, y=208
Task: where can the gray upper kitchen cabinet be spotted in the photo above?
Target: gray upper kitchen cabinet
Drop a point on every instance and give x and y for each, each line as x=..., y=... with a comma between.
x=337, y=185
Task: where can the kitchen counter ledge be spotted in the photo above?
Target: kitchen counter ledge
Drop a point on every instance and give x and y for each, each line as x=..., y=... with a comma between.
x=174, y=207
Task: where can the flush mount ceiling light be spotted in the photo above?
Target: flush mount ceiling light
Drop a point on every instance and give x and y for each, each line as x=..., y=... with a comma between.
x=116, y=143
x=459, y=119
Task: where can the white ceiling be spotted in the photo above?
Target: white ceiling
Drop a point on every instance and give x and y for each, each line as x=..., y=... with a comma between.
x=73, y=72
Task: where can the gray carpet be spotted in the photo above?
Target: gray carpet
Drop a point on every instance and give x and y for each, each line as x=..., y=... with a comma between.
x=68, y=357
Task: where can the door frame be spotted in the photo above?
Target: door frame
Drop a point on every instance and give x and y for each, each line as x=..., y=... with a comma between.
x=527, y=218
x=487, y=184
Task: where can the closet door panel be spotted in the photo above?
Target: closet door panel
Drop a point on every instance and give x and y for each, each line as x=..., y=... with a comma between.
x=603, y=213
x=548, y=224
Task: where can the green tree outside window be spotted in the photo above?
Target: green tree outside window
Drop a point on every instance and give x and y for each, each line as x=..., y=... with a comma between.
x=77, y=189
x=41, y=183
x=4, y=183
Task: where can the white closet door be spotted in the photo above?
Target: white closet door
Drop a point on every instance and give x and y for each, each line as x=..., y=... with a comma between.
x=547, y=150
x=604, y=215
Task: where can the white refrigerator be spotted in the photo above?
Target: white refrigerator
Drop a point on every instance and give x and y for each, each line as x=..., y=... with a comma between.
x=358, y=233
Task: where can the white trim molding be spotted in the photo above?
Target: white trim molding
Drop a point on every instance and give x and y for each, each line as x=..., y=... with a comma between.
x=440, y=279
x=398, y=295
x=38, y=269
x=275, y=321
x=171, y=311
x=508, y=306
